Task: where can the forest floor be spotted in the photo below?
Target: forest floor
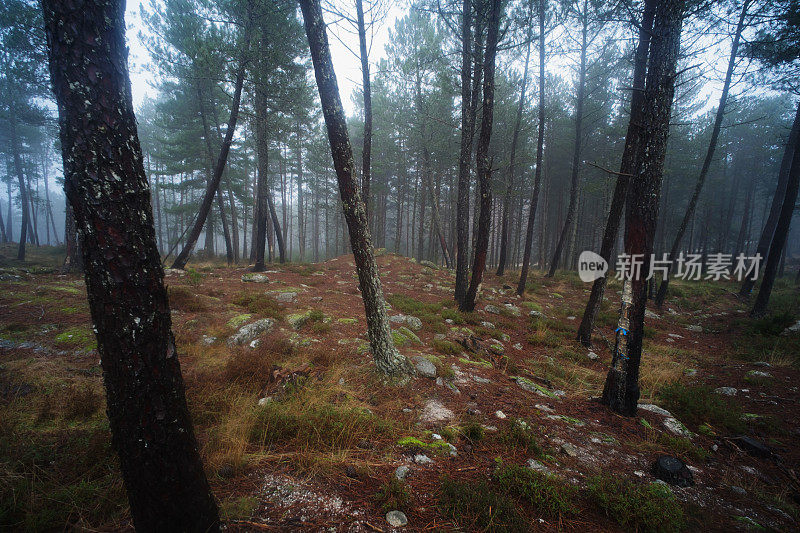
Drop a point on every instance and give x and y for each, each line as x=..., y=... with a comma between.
x=500, y=430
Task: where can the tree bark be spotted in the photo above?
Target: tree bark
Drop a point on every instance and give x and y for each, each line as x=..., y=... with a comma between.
x=501, y=267
x=712, y=145
x=628, y=166
x=23, y=193
x=367, y=151
x=621, y=391
x=526, y=256
x=387, y=359
x=465, y=156
x=107, y=187
x=576, y=156
x=484, y=169
x=777, y=200
x=777, y=247
x=213, y=185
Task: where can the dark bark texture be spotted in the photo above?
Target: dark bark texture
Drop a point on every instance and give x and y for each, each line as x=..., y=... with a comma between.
x=627, y=167
x=621, y=392
x=387, y=359
x=482, y=158
x=106, y=185
x=465, y=156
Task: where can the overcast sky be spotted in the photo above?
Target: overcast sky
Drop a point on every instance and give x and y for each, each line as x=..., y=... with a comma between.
x=347, y=65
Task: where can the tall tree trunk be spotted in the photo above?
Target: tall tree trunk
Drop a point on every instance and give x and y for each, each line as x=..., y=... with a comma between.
x=777, y=247
x=777, y=200
x=628, y=166
x=301, y=222
x=712, y=145
x=367, y=151
x=9, y=213
x=213, y=185
x=484, y=169
x=387, y=359
x=621, y=391
x=23, y=194
x=3, y=236
x=465, y=155
x=576, y=155
x=526, y=256
x=106, y=185
x=501, y=267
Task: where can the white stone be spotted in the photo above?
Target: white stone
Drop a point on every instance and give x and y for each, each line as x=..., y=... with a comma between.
x=500, y=414
x=435, y=412
x=726, y=391
x=654, y=409
x=396, y=518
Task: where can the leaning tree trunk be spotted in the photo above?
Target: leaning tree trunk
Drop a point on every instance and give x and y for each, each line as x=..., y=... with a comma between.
x=106, y=185
x=777, y=247
x=213, y=184
x=365, y=154
x=621, y=391
x=576, y=155
x=465, y=156
x=387, y=358
x=777, y=200
x=526, y=256
x=627, y=167
x=501, y=267
x=482, y=157
x=712, y=145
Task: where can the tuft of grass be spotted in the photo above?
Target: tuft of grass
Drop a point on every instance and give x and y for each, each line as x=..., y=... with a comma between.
x=445, y=347
x=184, y=299
x=519, y=434
x=637, y=507
x=477, y=505
x=77, y=337
x=699, y=404
x=238, y=507
x=260, y=304
x=393, y=495
x=314, y=426
x=193, y=277
x=251, y=367
x=545, y=492
x=473, y=431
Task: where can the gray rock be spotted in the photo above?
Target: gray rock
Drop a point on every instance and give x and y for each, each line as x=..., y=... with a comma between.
x=649, y=314
x=513, y=309
x=762, y=364
x=424, y=367
x=250, y=331
x=428, y=264
x=316, y=298
x=517, y=346
x=726, y=391
x=208, y=340
x=396, y=518
x=434, y=412
x=675, y=427
x=255, y=277
x=654, y=409
x=758, y=374
x=264, y=401
x=694, y=328
x=792, y=329
x=286, y=297
x=487, y=325
x=402, y=472
x=500, y=414
x=569, y=449
x=534, y=312
x=533, y=464
x=397, y=319
x=414, y=323
x=592, y=356
x=493, y=309
x=422, y=459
